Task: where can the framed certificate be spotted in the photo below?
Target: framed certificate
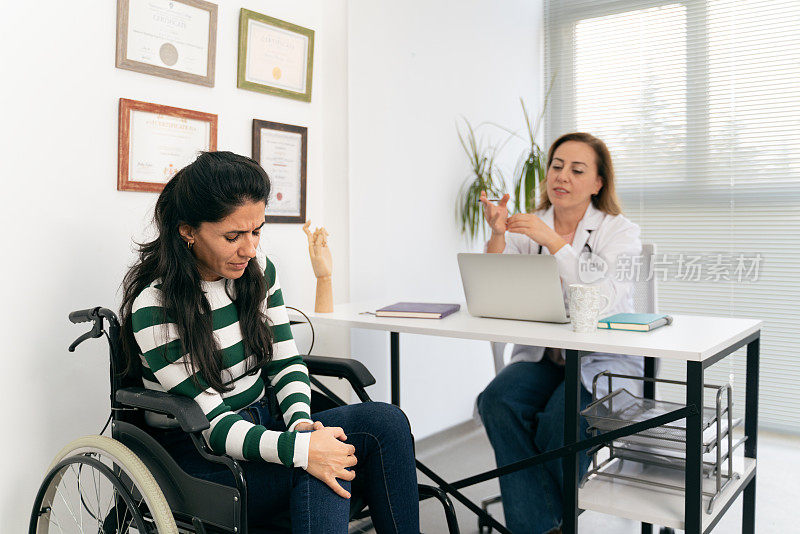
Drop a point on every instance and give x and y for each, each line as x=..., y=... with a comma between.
x=157, y=141
x=281, y=149
x=275, y=57
x=174, y=39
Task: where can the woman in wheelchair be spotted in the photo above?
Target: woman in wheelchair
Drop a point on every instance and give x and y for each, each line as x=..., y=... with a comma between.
x=204, y=313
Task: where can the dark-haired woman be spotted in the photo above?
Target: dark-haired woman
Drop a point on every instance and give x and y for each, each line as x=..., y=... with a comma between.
x=204, y=313
x=522, y=409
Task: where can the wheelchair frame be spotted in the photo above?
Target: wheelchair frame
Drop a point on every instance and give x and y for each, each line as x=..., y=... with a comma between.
x=199, y=505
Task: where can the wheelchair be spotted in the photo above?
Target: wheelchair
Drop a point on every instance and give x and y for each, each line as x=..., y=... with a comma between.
x=129, y=483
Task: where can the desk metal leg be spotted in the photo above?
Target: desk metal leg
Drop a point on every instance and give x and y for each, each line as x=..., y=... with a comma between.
x=572, y=396
x=649, y=393
x=394, y=352
x=693, y=506
x=649, y=372
x=751, y=431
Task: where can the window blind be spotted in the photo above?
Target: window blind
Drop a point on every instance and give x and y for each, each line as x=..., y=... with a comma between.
x=699, y=103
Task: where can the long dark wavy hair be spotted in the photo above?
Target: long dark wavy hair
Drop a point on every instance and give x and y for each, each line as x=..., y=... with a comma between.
x=207, y=190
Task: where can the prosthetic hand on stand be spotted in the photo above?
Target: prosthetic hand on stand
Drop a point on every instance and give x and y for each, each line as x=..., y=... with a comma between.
x=322, y=264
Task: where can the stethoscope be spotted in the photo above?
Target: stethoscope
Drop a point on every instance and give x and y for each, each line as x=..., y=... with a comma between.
x=586, y=248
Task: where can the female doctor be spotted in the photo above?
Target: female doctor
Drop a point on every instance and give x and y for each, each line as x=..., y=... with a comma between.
x=523, y=407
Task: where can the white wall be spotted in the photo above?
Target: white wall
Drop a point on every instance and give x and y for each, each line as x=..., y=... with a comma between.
x=67, y=231
x=414, y=68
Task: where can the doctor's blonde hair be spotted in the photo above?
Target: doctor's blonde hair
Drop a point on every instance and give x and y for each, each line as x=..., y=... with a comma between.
x=606, y=200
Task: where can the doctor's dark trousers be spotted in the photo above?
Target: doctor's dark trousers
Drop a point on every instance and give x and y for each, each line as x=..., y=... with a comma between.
x=522, y=410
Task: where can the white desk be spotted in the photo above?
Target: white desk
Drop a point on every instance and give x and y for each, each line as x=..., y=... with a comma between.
x=689, y=338
x=699, y=341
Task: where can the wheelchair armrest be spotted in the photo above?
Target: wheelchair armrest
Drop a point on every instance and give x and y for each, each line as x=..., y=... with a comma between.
x=352, y=370
x=185, y=410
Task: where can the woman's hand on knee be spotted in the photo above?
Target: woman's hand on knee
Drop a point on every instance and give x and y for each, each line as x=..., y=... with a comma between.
x=308, y=427
x=329, y=457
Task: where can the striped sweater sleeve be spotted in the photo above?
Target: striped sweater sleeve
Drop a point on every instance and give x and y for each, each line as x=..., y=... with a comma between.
x=156, y=334
x=287, y=372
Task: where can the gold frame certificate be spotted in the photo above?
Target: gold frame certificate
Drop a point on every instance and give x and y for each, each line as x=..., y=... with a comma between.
x=275, y=56
x=156, y=141
x=281, y=149
x=170, y=38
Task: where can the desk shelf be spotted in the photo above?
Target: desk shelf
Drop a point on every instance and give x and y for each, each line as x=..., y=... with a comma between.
x=650, y=504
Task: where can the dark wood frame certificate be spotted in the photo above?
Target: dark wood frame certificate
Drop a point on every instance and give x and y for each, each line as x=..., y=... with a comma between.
x=157, y=141
x=275, y=57
x=174, y=39
x=282, y=150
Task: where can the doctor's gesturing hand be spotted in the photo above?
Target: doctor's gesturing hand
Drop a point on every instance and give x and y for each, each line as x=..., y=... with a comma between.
x=522, y=223
x=532, y=226
x=497, y=215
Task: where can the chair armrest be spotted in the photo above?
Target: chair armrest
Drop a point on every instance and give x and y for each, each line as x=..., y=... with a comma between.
x=185, y=410
x=352, y=370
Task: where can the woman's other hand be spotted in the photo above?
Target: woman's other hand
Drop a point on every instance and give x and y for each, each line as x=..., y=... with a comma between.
x=497, y=215
x=532, y=226
x=329, y=456
x=309, y=427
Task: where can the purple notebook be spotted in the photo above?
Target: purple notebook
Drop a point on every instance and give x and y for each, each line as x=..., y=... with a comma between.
x=421, y=310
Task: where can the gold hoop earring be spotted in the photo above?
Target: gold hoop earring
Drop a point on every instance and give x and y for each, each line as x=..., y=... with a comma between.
x=190, y=244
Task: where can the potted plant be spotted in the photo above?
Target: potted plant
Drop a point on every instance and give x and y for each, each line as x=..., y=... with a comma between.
x=484, y=176
x=529, y=173
x=531, y=170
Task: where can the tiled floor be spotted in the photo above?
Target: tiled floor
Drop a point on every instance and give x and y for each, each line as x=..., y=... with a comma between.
x=465, y=450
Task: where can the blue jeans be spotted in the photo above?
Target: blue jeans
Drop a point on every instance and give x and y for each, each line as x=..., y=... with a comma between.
x=386, y=478
x=522, y=410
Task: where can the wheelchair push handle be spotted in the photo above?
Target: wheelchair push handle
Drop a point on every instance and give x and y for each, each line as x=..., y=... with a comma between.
x=82, y=316
x=92, y=314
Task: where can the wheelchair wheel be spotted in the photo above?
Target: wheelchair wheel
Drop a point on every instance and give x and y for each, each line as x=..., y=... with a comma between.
x=96, y=484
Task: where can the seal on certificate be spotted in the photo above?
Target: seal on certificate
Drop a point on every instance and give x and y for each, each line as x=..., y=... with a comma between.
x=168, y=54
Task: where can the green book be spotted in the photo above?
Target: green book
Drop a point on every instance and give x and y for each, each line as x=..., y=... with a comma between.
x=640, y=322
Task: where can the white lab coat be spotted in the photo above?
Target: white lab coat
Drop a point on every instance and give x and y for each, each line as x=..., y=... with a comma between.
x=609, y=236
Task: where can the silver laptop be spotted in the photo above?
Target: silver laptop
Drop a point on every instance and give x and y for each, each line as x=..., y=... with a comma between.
x=513, y=286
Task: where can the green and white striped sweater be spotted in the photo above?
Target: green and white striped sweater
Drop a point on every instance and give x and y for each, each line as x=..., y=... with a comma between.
x=164, y=369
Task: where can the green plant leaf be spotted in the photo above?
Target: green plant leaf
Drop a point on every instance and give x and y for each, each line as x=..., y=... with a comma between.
x=531, y=172
x=484, y=176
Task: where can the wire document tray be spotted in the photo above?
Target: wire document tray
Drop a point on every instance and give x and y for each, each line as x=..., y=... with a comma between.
x=663, y=446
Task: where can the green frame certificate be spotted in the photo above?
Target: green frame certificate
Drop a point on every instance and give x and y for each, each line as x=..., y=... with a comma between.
x=275, y=57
